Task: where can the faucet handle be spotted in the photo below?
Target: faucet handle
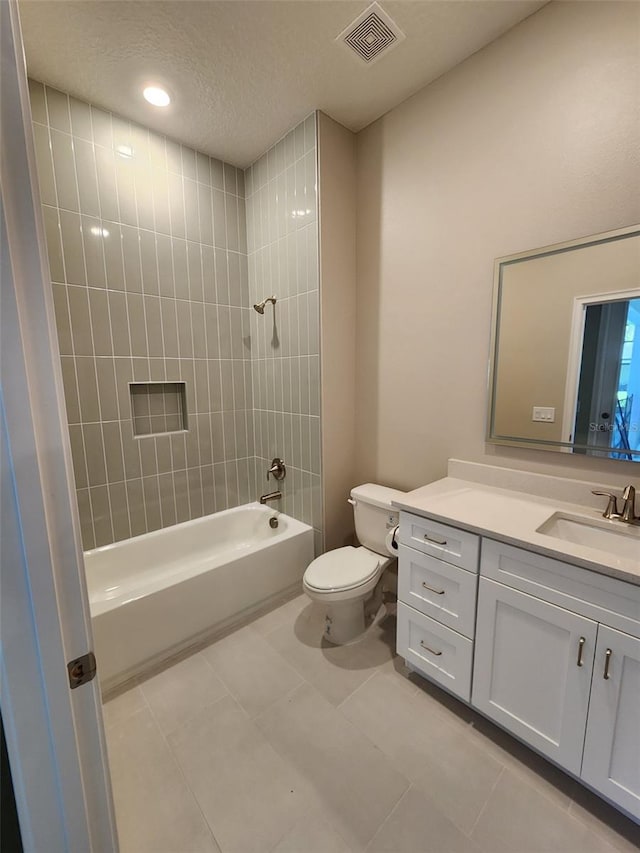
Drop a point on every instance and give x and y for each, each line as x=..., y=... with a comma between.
x=629, y=508
x=278, y=469
x=612, y=507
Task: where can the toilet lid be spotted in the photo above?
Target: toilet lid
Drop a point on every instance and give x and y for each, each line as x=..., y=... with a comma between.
x=342, y=568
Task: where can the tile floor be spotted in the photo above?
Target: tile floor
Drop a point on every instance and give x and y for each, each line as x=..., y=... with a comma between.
x=270, y=740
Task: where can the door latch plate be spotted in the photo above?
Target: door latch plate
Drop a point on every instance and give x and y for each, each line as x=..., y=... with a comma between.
x=81, y=670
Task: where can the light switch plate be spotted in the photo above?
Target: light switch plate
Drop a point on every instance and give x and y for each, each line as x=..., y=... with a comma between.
x=547, y=414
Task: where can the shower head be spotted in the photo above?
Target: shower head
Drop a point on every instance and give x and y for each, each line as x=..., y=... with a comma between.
x=259, y=306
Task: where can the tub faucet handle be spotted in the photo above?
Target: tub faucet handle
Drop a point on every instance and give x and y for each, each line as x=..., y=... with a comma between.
x=278, y=469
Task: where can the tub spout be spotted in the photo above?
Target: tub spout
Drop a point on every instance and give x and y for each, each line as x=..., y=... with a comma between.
x=272, y=496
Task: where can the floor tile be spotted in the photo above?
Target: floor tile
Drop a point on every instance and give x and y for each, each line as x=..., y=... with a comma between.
x=253, y=672
x=312, y=834
x=181, y=691
x=121, y=707
x=357, y=784
x=285, y=614
x=335, y=671
x=155, y=810
x=416, y=826
x=248, y=794
x=603, y=819
x=444, y=762
x=518, y=817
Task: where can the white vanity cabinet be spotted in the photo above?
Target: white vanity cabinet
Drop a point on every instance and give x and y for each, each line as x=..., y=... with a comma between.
x=553, y=654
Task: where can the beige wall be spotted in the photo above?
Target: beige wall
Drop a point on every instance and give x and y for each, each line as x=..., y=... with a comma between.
x=337, y=195
x=531, y=141
x=536, y=314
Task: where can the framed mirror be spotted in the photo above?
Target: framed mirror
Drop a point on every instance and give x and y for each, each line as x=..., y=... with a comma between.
x=565, y=347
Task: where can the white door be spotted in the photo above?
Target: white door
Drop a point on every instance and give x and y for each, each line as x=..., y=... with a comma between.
x=532, y=670
x=55, y=737
x=611, y=761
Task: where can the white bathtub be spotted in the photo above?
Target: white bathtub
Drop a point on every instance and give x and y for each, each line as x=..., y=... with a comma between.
x=158, y=593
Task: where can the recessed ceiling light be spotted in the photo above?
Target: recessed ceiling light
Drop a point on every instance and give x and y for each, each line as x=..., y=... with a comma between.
x=157, y=96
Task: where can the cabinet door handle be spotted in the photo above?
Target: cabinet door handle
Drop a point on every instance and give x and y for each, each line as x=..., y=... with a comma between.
x=607, y=659
x=581, y=643
x=435, y=539
x=425, y=646
x=431, y=589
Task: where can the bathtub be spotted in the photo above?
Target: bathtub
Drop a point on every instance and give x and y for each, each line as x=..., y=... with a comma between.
x=157, y=594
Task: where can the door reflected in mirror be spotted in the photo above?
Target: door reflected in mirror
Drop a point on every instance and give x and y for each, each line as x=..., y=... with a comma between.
x=565, y=369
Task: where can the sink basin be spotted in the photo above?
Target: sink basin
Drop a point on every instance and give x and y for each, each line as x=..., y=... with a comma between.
x=614, y=537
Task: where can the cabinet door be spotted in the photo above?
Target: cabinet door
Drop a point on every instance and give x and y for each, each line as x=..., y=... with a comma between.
x=611, y=762
x=532, y=670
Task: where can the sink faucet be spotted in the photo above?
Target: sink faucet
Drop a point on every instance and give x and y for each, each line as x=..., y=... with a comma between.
x=272, y=496
x=629, y=507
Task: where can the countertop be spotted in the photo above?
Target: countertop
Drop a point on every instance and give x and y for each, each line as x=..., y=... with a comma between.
x=514, y=517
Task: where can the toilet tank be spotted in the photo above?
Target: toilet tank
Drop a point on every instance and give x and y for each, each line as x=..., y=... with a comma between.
x=374, y=515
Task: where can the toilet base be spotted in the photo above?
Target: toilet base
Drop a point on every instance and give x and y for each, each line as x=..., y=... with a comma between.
x=347, y=621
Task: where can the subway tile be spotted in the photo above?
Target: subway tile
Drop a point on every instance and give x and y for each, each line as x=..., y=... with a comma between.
x=205, y=214
x=131, y=258
x=203, y=169
x=126, y=187
x=78, y=456
x=94, y=451
x=161, y=202
x=105, y=370
x=114, y=265
x=114, y=459
x=174, y=157
x=181, y=486
x=191, y=209
x=38, y=102
x=135, y=500
x=176, y=205
x=145, y=179
x=100, y=326
x=169, y=327
x=72, y=401
x=44, y=162
x=167, y=499
x=64, y=170
x=72, y=249
x=81, y=119
x=184, y=329
x=54, y=244
x=107, y=186
x=137, y=326
x=58, y=109
x=195, y=492
x=219, y=220
x=102, y=127
x=230, y=182
x=119, y=511
x=154, y=326
x=94, y=234
x=151, y=491
x=222, y=277
x=180, y=269
x=194, y=266
x=165, y=265
x=208, y=274
x=86, y=519
x=63, y=326
x=119, y=323
x=86, y=176
x=80, y=320
x=217, y=174
x=149, y=262
x=101, y=511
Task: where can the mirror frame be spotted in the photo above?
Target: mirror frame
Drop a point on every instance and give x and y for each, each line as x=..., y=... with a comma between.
x=499, y=267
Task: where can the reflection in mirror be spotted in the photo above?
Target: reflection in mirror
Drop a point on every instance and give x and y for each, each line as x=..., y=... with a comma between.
x=565, y=372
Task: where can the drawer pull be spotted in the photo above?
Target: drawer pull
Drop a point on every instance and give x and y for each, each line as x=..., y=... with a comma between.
x=435, y=539
x=424, y=646
x=431, y=589
x=607, y=659
x=581, y=643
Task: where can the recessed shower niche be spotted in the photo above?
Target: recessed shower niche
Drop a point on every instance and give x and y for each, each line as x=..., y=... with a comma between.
x=158, y=407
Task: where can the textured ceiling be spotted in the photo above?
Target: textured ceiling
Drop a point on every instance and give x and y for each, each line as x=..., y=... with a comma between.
x=242, y=72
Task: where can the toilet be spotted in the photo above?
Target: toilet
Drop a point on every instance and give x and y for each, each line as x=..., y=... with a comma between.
x=348, y=581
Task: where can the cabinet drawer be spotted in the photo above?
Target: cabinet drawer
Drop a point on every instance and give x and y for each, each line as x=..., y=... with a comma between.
x=439, y=540
x=591, y=594
x=437, y=652
x=439, y=590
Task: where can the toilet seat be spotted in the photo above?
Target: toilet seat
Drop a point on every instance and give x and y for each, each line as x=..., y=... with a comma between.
x=343, y=569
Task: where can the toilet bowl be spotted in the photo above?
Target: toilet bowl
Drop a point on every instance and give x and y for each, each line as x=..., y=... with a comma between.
x=348, y=581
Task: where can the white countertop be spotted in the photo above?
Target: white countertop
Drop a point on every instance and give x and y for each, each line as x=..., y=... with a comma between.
x=514, y=517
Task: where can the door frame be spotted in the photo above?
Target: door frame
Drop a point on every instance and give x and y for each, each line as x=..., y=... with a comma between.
x=55, y=735
x=576, y=341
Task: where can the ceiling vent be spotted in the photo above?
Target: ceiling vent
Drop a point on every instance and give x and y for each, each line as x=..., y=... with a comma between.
x=372, y=34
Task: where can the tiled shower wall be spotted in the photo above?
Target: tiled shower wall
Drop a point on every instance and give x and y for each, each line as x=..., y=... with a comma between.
x=282, y=238
x=147, y=249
